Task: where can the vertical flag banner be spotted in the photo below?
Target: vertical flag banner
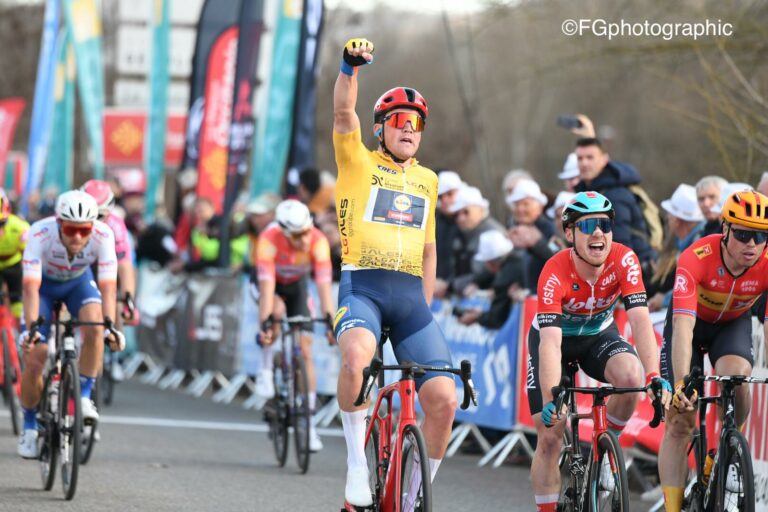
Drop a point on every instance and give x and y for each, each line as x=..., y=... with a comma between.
x=273, y=131
x=85, y=27
x=58, y=167
x=154, y=148
x=302, y=153
x=10, y=111
x=42, y=109
x=242, y=121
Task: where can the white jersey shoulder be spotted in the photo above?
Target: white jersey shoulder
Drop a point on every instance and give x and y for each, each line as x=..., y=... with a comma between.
x=45, y=254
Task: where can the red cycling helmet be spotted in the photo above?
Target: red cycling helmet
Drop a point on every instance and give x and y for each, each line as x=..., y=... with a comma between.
x=400, y=97
x=102, y=193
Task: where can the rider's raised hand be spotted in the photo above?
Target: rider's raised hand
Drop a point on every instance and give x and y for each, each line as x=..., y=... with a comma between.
x=357, y=52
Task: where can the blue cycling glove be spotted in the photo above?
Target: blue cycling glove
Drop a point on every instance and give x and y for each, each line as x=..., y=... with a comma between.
x=549, y=414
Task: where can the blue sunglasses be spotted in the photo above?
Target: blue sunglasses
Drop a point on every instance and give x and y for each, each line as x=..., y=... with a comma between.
x=588, y=226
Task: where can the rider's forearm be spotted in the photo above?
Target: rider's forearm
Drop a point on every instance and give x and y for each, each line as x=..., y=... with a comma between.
x=266, y=299
x=645, y=338
x=30, y=298
x=682, y=339
x=108, y=291
x=326, y=298
x=429, y=268
x=345, y=119
x=127, y=278
x=550, y=357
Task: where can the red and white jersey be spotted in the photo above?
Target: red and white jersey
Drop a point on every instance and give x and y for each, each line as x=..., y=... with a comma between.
x=123, y=247
x=46, y=256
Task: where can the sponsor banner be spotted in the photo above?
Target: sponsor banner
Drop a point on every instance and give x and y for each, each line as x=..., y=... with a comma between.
x=58, y=168
x=85, y=26
x=302, y=152
x=158, y=106
x=124, y=135
x=15, y=171
x=10, y=111
x=217, y=116
x=755, y=429
x=274, y=128
x=42, y=110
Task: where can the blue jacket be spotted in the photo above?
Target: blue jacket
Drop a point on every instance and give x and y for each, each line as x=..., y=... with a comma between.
x=612, y=182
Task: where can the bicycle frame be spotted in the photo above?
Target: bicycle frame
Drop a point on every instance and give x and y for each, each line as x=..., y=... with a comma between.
x=6, y=325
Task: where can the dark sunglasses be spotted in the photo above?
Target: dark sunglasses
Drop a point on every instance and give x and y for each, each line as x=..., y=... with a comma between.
x=588, y=226
x=399, y=119
x=744, y=236
x=71, y=230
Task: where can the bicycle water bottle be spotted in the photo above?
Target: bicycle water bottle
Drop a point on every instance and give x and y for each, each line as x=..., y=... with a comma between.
x=53, y=395
x=708, y=465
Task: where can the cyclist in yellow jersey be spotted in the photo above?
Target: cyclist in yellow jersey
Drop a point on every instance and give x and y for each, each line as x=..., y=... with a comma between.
x=385, y=202
x=13, y=240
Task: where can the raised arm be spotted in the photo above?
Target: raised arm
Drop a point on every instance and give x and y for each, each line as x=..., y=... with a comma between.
x=357, y=52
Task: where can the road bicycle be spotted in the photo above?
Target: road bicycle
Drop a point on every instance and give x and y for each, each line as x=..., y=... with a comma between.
x=395, y=452
x=585, y=486
x=10, y=368
x=290, y=406
x=60, y=416
x=728, y=484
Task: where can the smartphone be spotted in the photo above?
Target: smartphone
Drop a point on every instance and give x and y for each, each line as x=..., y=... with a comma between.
x=568, y=122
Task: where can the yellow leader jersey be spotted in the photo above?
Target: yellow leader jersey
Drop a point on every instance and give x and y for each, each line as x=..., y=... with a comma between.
x=13, y=240
x=386, y=214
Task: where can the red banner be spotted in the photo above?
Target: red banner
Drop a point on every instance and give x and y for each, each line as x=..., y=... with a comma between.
x=217, y=116
x=124, y=138
x=10, y=111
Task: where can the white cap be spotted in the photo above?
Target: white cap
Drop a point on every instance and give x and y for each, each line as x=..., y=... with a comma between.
x=728, y=190
x=493, y=245
x=468, y=196
x=447, y=181
x=562, y=199
x=526, y=188
x=683, y=204
x=264, y=203
x=570, y=168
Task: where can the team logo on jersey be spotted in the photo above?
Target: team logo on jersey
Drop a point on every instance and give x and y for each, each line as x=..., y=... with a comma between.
x=386, y=169
x=681, y=284
x=575, y=287
x=720, y=271
x=343, y=310
x=703, y=251
x=633, y=268
x=402, y=202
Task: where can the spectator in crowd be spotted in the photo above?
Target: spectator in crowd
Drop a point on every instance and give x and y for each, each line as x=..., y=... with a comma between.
x=508, y=185
x=708, y=191
x=155, y=244
x=471, y=211
x=612, y=179
x=729, y=189
x=206, y=244
x=507, y=278
x=446, y=230
x=685, y=222
x=555, y=212
x=259, y=213
x=532, y=230
x=570, y=175
x=762, y=186
x=318, y=196
x=197, y=212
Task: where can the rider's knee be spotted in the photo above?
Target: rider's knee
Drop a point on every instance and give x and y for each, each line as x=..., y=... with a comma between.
x=549, y=440
x=34, y=361
x=355, y=357
x=680, y=426
x=439, y=400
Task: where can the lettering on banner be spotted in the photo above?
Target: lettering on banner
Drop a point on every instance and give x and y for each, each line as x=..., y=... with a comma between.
x=213, y=324
x=497, y=373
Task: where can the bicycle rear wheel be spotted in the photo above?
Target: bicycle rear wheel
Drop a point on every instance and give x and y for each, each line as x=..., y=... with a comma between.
x=88, y=436
x=70, y=427
x=107, y=382
x=415, y=479
x=608, y=489
x=9, y=387
x=48, y=438
x=376, y=467
x=733, y=482
x=300, y=413
x=278, y=424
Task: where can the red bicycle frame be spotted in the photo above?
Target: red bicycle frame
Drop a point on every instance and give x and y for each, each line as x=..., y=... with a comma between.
x=6, y=325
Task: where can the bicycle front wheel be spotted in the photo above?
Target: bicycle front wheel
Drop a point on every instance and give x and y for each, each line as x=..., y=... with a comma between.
x=301, y=414
x=88, y=436
x=415, y=480
x=570, y=481
x=376, y=467
x=48, y=438
x=279, y=417
x=733, y=482
x=608, y=489
x=9, y=387
x=70, y=427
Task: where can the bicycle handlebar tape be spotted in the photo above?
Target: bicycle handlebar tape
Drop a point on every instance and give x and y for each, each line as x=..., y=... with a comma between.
x=349, y=62
x=469, y=386
x=658, y=410
x=690, y=381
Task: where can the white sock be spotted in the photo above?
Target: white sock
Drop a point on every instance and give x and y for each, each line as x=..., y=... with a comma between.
x=312, y=399
x=434, y=464
x=354, y=435
x=266, y=358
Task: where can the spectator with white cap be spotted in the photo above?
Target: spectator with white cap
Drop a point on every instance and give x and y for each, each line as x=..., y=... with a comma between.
x=554, y=212
x=507, y=276
x=471, y=213
x=448, y=185
x=532, y=230
x=570, y=175
x=685, y=221
x=708, y=193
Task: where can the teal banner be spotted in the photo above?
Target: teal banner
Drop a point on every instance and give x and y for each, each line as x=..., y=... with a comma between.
x=154, y=145
x=58, y=168
x=274, y=127
x=85, y=26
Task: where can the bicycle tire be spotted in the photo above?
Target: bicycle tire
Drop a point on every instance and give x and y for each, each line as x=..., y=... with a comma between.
x=70, y=427
x=107, y=382
x=278, y=424
x=9, y=388
x=612, y=495
x=88, y=437
x=413, y=444
x=570, y=484
x=733, y=452
x=301, y=415
x=693, y=494
x=48, y=438
x=376, y=467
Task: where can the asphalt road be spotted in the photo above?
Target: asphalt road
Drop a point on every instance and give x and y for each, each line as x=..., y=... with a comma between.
x=167, y=451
